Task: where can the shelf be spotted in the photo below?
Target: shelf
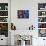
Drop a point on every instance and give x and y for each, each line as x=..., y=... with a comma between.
x=3, y=22
x=41, y=10
x=3, y=16
x=41, y=22
x=42, y=16
x=3, y=10
x=41, y=28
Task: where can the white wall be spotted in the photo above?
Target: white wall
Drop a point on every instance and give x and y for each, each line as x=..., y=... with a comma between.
x=23, y=24
x=32, y=6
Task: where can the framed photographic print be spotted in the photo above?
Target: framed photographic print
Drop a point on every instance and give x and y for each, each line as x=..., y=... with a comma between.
x=3, y=19
x=41, y=25
x=4, y=29
x=41, y=6
x=23, y=13
x=3, y=6
x=3, y=13
x=41, y=19
x=42, y=32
